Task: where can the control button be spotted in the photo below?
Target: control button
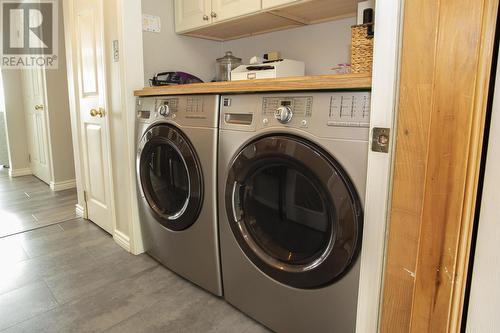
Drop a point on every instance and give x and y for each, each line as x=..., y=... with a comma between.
x=303, y=123
x=164, y=110
x=161, y=109
x=174, y=115
x=265, y=121
x=283, y=114
x=226, y=101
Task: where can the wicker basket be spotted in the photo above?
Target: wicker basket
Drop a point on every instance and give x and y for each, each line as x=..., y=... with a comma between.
x=361, y=49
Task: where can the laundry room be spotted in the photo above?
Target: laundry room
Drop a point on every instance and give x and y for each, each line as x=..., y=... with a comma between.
x=249, y=166
x=280, y=209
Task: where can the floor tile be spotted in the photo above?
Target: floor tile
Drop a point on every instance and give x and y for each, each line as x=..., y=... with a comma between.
x=80, y=281
x=107, y=306
x=25, y=303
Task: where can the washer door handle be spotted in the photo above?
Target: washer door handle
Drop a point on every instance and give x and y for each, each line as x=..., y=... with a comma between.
x=237, y=214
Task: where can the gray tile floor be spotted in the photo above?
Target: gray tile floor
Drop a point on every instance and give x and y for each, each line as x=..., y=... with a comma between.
x=72, y=277
x=27, y=203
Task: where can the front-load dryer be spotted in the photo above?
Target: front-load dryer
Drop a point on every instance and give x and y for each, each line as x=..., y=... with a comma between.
x=292, y=175
x=176, y=184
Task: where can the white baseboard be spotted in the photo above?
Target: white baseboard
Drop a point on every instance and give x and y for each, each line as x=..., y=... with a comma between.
x=80, y=210
x=20, y=172
x=64, y=185
x=122, y=240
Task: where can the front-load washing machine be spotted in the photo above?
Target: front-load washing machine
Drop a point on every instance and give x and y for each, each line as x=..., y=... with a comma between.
x=176, y=184
x=292, y=174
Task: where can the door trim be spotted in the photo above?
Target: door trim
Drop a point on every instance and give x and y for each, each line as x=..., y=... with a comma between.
x=74, y=94
x=385, y=81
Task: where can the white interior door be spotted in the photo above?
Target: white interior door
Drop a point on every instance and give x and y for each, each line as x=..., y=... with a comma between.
x=226, y=9
x=88, y=36
x=484, y=300
x=36, y=120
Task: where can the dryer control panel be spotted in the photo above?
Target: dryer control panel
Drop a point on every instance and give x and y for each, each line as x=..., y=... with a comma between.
x=326, y=114
x=350, y=109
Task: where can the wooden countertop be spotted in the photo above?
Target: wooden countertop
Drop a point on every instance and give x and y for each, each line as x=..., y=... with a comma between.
x=299, y=83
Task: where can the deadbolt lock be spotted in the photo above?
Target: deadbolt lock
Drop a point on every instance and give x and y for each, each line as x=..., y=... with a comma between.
x=381, y=139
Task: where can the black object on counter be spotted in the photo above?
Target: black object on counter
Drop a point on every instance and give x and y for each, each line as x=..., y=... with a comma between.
x=173, y=78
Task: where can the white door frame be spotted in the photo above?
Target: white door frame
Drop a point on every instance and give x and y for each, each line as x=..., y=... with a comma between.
x=388, y=18
x=132, y=78
x=74, y=95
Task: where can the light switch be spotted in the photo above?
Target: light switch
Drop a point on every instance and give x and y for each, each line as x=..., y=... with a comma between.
x=151, y=23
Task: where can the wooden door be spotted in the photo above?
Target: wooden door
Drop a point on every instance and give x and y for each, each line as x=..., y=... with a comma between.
x=36, y=122
x=191, y=14
x=226, y=9
x=88, y=36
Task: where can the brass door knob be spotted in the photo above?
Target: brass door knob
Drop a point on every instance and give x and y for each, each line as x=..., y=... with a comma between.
x=97, y=112
x=38, y=107
x=213, y=14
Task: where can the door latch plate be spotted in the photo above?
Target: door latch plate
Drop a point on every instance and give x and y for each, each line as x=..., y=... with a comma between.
x=381, y=139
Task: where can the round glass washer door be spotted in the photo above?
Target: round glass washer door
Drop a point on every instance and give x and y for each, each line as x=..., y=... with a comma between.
x=294, y=211
x=170, y=176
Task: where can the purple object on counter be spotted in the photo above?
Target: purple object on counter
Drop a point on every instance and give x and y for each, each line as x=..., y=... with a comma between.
x=174, y=78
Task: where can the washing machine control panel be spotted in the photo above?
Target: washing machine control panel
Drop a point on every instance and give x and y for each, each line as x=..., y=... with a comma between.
x=287, y=110
x=167, y=107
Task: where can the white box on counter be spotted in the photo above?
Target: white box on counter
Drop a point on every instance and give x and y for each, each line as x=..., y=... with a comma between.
x=269, y=70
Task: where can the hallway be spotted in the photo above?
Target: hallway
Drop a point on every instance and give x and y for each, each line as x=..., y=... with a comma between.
x=26, y=203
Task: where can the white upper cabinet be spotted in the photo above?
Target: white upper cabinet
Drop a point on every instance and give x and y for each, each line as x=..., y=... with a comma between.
x=226, y=9
x=273, y=3
x=223, y=20
x=191, y=14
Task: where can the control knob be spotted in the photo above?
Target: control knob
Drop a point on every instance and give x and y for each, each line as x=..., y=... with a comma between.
x=283, y=114
x=164, y=110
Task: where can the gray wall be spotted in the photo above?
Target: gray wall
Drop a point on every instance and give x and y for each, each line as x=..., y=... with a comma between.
x=59, y=116
x=16, y=122
x=320, y=46
x=4, y=149
x=167, y=51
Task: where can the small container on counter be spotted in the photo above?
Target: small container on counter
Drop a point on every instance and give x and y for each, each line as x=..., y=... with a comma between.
x=225, y=65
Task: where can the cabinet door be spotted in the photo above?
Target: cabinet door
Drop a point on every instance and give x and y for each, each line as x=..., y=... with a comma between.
x=191, y=14
x=226, y=9
x=273, y=3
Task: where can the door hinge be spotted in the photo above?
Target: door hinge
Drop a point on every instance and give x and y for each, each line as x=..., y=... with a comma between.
x=381, y=139
x=85, y=196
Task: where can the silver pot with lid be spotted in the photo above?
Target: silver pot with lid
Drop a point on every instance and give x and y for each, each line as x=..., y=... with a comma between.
x=225, y=65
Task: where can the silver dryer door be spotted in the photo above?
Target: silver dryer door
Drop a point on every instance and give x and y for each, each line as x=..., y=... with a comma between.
x=294, y=211
x=170, y=176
